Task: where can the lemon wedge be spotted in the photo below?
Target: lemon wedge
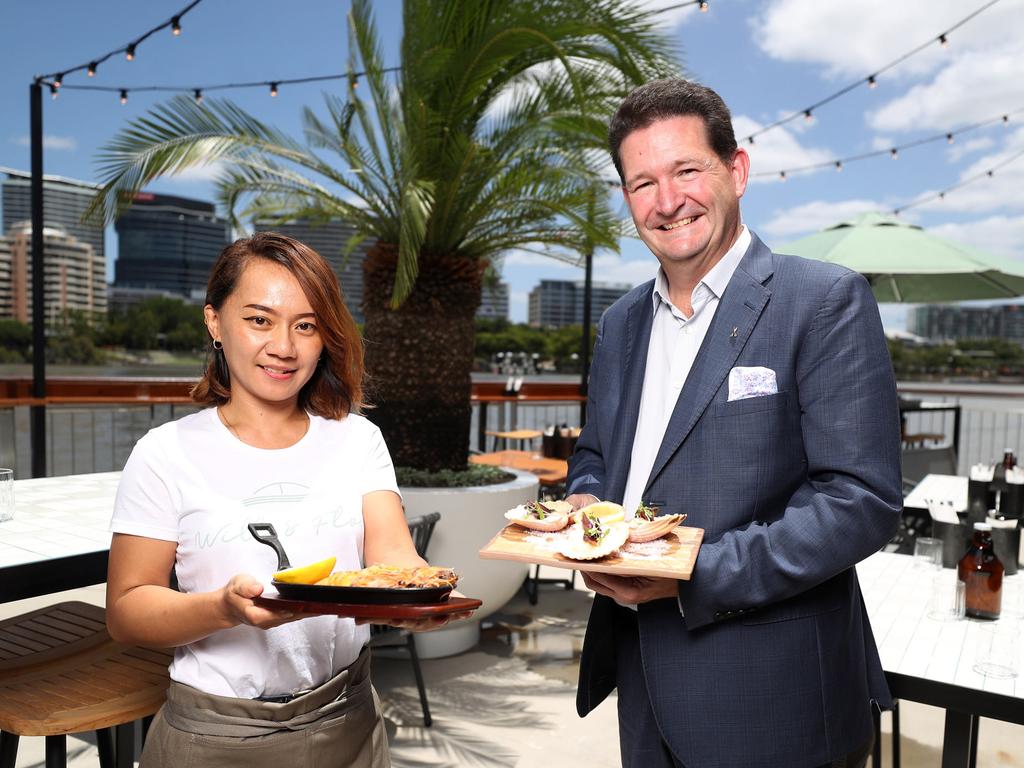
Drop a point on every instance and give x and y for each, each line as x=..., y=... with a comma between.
x=607, y=512
x=307, y=574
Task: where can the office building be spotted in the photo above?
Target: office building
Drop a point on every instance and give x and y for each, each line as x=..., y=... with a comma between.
x=494, y=302
x=168, y=243
x=947, y=323
x=64, y=203
x=74, y=276
x=330, y=239
x=558, y=303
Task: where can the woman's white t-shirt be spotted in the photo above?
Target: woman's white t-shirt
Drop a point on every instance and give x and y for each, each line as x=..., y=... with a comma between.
x=193, y=482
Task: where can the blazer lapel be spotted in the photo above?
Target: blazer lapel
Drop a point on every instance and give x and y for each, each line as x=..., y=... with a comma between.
x=639, y=320
x=738, y=311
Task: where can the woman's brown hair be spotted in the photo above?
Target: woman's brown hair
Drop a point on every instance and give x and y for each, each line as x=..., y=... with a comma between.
x=336, y=387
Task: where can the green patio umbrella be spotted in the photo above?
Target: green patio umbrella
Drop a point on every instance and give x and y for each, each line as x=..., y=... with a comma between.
x=904, y=263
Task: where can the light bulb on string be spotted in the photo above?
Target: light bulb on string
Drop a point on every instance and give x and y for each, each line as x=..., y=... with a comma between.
x=704, y=6
x=124, y=96
x=872, y=82
x=944, y=41
x=990, y=174
x=808, y=117
x=750, y=140
x=176, y=26
x=91, y=71
x=839, y=165
x=942, y=195
x=949, y=138
x=782, y=175
x=58, y=80
x=197, y=94
x=1006, y=119
x=53, y=91
x=273, y=89
x=894, y=153
x=129, y=52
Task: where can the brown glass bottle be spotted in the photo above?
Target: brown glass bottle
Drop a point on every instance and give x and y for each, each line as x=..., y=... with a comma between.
x=982, y=572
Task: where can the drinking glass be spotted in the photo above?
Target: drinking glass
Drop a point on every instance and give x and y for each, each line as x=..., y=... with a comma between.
x=6, y=494
x=998, y=653
x=948, y=598
x=928, y=552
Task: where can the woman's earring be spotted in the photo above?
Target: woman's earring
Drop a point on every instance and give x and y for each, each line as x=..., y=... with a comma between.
x=217, y=345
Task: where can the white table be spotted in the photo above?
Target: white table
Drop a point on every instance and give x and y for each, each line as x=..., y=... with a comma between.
x=931, y=661
x=945, y=489
x=59, y=538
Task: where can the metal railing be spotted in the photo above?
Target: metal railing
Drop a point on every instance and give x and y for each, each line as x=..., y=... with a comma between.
x=92, y=425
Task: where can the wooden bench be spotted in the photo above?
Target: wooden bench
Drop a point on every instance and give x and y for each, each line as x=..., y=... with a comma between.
x=61, y=673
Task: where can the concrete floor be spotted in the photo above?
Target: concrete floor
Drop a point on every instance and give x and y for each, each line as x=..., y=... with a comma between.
x=510, y=702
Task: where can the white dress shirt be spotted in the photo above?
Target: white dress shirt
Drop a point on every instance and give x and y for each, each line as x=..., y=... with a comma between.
x=675, y=341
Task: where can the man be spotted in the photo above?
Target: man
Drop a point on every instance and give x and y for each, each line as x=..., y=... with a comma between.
x=752, y=392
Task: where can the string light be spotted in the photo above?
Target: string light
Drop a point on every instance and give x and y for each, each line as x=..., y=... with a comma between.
x=871, y=79
x=53, y=91
x=58, y=79
x=808, y=117
x=894, y=153
x=176, y=26
x=948, y=136
x=944, y=41
x=273, y=89
x=92, y=69
x=782, y=175
x=872, y=82
x=839, y=165
x=941, y=195
x=704, y=6
x=197, y=94
x=129, y=52
x=1006, y=119
x=124, y=96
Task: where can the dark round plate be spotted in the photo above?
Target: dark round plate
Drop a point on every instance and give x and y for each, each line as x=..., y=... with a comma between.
x=361, y=595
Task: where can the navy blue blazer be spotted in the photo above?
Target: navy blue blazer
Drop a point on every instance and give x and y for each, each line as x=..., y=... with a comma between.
x=773, y=661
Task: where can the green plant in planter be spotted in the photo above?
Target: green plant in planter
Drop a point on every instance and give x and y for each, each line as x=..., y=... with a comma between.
x=490, y=138
x=472, y=475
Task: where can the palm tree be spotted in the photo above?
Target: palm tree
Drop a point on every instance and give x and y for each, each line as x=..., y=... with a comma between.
x=491, y=140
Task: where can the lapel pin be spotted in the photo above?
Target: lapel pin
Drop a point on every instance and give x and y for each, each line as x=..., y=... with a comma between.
x=733, y=334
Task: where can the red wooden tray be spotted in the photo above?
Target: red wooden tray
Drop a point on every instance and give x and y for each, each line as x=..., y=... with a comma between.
x=355, y=611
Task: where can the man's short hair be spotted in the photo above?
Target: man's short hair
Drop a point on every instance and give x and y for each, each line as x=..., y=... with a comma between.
x=673, y=97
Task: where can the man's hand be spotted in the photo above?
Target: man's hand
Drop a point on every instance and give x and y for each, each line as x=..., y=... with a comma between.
x=581, y=500
x=631, y=590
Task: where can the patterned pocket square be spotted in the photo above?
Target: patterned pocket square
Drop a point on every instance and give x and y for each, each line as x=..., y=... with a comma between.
x=751, y=382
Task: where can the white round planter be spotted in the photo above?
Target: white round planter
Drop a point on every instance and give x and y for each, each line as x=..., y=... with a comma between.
x=470, y=517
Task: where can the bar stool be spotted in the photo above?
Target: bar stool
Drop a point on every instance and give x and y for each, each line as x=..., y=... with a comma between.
x=61, y=673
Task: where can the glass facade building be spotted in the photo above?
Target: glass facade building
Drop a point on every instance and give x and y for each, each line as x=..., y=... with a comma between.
x=558, y=303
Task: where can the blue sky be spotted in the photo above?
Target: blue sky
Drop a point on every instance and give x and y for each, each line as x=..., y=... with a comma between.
x=767, y=58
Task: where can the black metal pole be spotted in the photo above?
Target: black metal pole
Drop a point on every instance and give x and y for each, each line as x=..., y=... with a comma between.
x=37, y=418
x=585, y=342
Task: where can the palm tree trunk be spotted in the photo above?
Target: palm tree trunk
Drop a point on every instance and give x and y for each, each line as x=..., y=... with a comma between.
x=419, y=357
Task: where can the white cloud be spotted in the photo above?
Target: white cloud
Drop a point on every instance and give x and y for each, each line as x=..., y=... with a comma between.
x=613, y=268
x=811, y=217
x=59, y=143
x=776, y=150
x=973, y=86
x=852, y=40
x=521, y=258
x=962, y=148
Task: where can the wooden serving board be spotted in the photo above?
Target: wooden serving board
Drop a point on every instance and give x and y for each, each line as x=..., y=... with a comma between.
x=672, y=556
x=381, y=611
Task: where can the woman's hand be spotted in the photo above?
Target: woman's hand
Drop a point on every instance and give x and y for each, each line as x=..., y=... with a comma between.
x=238, y=600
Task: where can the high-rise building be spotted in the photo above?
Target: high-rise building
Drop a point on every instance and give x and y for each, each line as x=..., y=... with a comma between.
x=64, y=203
x=168, y=243
x=558, y=303
x=330, y=240
x=941, y=322
x=494, y=302
x=74, y=276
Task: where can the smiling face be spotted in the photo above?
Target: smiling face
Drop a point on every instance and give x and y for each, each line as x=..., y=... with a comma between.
x=270, y=335
x=684, y=199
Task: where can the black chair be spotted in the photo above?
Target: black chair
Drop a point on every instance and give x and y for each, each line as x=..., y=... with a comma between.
x=421, y=528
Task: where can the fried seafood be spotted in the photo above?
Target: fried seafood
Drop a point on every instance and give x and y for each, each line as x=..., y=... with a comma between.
x=393, y=577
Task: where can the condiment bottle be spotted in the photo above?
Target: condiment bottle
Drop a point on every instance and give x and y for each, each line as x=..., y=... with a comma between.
x=982, y=573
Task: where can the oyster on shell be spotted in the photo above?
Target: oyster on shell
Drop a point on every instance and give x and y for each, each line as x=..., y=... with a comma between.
x=641, y=530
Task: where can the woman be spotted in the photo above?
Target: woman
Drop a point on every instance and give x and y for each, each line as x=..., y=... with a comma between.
x=280, y=442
